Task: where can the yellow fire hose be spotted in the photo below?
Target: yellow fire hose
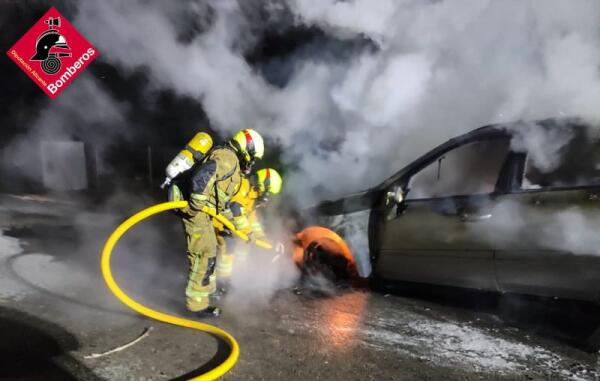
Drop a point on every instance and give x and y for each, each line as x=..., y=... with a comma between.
x=230, y=361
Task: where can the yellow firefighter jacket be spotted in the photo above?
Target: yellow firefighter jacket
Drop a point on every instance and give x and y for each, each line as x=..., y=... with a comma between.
x=215, y=181
x=242, y=211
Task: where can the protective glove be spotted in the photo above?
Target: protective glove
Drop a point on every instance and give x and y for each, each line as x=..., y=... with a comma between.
x=225, y=233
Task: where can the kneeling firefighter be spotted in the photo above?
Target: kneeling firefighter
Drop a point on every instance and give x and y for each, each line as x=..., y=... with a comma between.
x=214, y=182
x=254, y=192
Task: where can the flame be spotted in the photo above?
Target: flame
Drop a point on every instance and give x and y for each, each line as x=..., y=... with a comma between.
x=328, y=239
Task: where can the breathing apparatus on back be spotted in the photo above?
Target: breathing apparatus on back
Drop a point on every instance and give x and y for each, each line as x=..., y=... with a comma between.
x=193, y=153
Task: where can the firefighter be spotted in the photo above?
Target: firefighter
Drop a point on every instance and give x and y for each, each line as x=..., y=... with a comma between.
x=214, y=182
x=254, y=192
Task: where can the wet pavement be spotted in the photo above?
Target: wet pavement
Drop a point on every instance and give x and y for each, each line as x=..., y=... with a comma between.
x=55, y=312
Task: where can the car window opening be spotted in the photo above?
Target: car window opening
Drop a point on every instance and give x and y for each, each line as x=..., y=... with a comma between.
x=576, y=163
x=472, y=168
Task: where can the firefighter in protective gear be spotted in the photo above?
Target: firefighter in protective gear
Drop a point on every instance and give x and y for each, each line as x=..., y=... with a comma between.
x=217, y=178
x=254, y=192
x=194, y=152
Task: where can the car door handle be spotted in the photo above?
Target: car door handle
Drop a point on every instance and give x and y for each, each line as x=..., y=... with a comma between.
x=474, y=217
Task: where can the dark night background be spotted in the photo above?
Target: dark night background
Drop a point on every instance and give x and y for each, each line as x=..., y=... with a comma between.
x=166, y=122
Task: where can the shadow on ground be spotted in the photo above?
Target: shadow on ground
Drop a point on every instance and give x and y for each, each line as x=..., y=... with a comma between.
x=30, y=346
x=222, y=352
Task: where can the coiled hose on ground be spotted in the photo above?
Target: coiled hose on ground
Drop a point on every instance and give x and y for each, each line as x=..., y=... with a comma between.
x=230, y=361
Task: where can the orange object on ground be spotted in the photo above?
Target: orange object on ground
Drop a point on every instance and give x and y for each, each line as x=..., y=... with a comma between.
x=329, y=241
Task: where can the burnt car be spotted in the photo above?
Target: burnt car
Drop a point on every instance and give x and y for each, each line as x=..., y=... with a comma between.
x=511, y=208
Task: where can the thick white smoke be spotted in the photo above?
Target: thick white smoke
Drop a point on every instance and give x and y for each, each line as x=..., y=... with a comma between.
x=83, y=104
x=571, y=230
x=440, y=68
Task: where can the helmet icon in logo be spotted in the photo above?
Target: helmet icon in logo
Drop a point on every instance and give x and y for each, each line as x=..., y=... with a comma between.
x=50, y=47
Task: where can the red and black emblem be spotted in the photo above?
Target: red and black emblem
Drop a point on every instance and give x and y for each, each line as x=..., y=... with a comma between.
x=51, y=47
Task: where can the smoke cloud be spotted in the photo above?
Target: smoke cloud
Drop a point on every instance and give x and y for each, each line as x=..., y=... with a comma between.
x=348, y=121
x=84, y=112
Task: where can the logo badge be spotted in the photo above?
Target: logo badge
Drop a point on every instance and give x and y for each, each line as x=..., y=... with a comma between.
x=52, y=53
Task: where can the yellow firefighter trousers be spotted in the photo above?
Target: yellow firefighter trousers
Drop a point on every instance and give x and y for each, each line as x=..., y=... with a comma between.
x=202, y=252
x=224, y=260
x=230, y=255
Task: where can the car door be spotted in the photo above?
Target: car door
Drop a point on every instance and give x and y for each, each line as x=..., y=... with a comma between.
x=547, y=241
x=429, y=237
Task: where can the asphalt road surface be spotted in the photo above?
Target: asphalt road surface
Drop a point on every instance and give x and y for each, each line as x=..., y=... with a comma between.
x=55, y=312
